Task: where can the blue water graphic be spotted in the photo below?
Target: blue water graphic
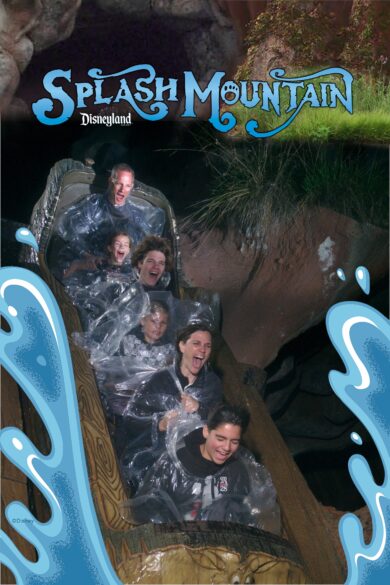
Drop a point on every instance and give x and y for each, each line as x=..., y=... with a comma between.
x=356, y=438
x=341, y=274
x=24, y=236
x=36, y=354
x=361, y=336
x=363, y=279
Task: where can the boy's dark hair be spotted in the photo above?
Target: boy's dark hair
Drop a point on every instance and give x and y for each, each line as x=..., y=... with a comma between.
x=152, y=243
x=114, y=235
x=226, y=414
x=184, y=334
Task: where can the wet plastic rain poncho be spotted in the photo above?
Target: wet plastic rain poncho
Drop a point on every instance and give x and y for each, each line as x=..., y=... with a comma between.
x=119, y=352
x=109, y=309
x=183, y=485
x=138, y=440
x=86, y=226
x=154, y=355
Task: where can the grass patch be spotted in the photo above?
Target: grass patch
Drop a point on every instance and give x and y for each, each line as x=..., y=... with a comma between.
x=370, y=121
x=259, y=187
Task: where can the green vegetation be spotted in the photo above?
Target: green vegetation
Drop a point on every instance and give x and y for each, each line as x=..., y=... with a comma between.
x=296, y=35
x=370, y=121
x=260, y=186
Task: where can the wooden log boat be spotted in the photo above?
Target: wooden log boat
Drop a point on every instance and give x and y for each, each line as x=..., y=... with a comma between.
x=201, y=552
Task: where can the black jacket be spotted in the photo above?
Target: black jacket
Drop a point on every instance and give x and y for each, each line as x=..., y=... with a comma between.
x=163, y=393
x=194, y=488
x=138, y=431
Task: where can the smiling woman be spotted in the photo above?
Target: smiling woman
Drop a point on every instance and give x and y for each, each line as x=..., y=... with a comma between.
x=186, y=387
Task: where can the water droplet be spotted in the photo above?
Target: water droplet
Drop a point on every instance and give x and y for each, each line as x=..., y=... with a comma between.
x=363, y=278
x=24, y=236
x=41, y=360
x=17, y=444
x=356, y=438
x=12, y=311
x=341, y=274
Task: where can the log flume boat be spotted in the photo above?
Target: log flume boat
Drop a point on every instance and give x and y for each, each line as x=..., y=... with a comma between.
x=192, y=552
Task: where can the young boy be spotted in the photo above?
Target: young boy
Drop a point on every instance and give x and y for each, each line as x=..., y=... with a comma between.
x=117, y=260
x=209, y=478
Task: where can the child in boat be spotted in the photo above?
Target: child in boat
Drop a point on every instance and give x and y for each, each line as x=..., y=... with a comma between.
x=147, y=343
x=206, y=475
x=116, y=261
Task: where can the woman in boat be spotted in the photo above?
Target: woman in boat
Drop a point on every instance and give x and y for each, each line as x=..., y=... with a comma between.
x=188, y=386
x=153, y=261
x=210, y=477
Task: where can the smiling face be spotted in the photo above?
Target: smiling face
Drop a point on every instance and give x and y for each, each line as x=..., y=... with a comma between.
x=221, y=443
x=120, y=187
x=151, y=268
x=154, y=326
x=119, y=249
x=195, y=353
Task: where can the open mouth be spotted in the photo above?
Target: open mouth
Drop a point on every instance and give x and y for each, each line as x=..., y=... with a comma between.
x=221, y=456
x=119, y=257
x=197, y=362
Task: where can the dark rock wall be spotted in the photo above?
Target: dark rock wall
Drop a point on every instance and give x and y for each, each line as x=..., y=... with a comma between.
x=295, y=282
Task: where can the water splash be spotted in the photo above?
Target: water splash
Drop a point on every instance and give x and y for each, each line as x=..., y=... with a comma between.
x=24, y=236
x=356, y=438
x=363, y=279
x=361, y=336
x=341, y=274
x=36, y=354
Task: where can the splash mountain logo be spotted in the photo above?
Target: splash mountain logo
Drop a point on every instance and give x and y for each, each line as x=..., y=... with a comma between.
x=148, y=96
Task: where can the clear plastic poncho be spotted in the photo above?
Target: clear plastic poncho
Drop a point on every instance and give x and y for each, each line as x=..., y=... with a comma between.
x=122, y=356
x=109, y=310
x=138, y=437
x=241, y=491
x=85, y=226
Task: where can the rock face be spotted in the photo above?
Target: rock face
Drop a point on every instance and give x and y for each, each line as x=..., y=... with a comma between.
x=28, y=27
x=291, y=285
x=333, y=516
x=200, y=27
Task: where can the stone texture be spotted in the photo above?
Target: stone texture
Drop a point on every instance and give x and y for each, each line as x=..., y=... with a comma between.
x=293, y=284
x=333, y=517
x=200, y=26
x=27, y=27
x=55, y=22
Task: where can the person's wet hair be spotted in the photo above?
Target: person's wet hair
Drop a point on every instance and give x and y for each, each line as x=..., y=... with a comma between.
x=121, y=167
x=226, y=414
x=156, y=306
x=184, y=334
x=111, y=237
x=151, y=244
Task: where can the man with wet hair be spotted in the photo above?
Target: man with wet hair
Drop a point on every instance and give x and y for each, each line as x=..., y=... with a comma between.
x=206, y=479
x=85, y=226
x=153, y=258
